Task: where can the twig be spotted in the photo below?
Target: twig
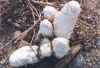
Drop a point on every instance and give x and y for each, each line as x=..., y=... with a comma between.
x=21, y=36
x=46, y=3
x=32, y=8
x=5, y=62
x=25, y=33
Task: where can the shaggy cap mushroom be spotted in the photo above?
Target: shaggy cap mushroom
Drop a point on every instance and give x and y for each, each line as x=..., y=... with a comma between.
x=60, y=47
x=49, y=12
x=72, y=8
x=23, y=56
x=65, y=20
x=46, y=28
x=45, y=48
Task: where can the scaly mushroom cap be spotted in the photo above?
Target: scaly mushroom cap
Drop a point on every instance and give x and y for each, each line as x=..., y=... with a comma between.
x=46, y=28
x=72, y=8
x=45, y=48
x=60, y=47
x=23, y=56
x=49, y=12
x=65, y=20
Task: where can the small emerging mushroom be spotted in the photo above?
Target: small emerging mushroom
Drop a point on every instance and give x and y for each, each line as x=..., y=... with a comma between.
x=45, y=48
x=60, y=47
x=65, y=20
x=23, y=56
x=49, y=12
x=45, y=28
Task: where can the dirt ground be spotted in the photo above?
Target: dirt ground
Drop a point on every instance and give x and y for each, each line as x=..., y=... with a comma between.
x=16, y=16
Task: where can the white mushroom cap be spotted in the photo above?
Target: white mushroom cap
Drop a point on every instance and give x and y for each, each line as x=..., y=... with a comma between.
x=46, y=28
x=60, y=47
x=71, y=8
x=65, y=20
x=45, y=48
x=49, y=12
x=23, y=56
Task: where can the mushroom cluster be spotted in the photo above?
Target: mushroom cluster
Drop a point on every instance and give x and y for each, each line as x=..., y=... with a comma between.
x=62, y=25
